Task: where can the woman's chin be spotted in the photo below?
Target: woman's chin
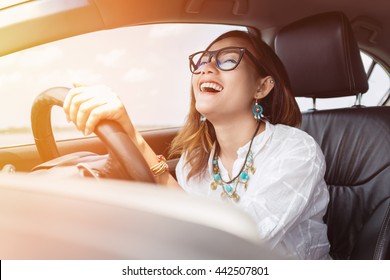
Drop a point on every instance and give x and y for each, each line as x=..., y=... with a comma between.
x=203, y=108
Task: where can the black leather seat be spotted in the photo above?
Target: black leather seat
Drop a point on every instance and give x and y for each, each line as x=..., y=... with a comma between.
x=322, y=59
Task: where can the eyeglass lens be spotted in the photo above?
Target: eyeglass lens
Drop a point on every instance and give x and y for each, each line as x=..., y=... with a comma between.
x=226, y=59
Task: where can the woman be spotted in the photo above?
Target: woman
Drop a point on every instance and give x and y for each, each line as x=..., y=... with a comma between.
x=238, y=143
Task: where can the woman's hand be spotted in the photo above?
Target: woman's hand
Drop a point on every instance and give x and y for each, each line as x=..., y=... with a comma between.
x=85, y=106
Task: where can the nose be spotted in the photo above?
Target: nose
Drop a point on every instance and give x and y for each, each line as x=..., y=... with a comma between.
x=210, y=66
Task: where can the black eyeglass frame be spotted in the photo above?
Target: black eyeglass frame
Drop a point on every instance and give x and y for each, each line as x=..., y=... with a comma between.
x=215, y=54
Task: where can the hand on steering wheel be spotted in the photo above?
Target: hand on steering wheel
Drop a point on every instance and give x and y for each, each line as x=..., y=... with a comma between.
x=86, y=106
x=122, y=149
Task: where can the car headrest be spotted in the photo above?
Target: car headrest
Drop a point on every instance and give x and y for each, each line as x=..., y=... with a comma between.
x=322, y=57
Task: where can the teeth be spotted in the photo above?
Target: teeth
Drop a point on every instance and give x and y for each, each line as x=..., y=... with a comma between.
x=214, y=86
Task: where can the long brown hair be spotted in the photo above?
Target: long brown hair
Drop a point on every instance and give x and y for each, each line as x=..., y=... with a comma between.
x=196, y=138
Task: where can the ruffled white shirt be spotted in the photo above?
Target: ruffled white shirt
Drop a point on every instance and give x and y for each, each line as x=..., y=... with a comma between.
x=287, y=196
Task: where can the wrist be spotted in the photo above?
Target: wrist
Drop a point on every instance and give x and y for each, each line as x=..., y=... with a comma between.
x=160, y=167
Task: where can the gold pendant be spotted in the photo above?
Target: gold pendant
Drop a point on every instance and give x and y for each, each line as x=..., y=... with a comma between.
x=213, y=185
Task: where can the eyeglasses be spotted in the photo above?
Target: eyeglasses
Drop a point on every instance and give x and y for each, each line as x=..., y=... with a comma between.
x=226, y=59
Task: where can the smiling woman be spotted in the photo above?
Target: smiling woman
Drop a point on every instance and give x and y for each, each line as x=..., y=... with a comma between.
x=226, y=138
x=147, y=65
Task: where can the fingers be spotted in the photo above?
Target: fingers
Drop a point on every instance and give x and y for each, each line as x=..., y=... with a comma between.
x=105, y=111
x=78, y=100
x=78, y=88
x=68, y=101
x=86, y=106
x=84, y=112
x=77, y=84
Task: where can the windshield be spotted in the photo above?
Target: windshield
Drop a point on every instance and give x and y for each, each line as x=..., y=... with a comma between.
x=146, y=65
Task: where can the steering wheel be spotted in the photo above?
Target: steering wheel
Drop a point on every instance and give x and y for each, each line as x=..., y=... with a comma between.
x=122, y=149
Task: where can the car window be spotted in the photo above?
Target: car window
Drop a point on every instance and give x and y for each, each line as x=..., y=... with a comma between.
x=377, y=94
x=146, y=65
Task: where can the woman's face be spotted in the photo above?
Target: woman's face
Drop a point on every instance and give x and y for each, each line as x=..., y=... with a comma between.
x=224, y=95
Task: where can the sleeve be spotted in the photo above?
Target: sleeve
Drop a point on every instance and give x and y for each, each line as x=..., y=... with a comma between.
x=181, y=172
x=289, y=190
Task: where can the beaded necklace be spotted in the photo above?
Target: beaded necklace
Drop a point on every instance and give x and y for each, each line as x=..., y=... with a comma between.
x=229, y=188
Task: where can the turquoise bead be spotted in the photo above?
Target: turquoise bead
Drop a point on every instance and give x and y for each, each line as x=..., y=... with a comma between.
x=217, y=177
x=244, y=176
x=215, y=162
x=228, y=188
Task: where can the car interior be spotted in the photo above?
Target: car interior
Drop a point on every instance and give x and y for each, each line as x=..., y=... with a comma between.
x=351, y=139
x=318, y=43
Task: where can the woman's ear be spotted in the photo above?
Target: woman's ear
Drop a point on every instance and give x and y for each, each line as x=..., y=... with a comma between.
x=265, y=85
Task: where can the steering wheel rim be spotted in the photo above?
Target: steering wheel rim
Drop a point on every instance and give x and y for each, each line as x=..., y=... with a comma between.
x=121, y=148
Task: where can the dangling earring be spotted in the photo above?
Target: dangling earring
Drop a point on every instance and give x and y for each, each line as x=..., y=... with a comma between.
x=257, y=111
x=202, y=118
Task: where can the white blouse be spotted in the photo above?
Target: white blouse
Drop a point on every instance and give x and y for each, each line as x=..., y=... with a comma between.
x=287, y=195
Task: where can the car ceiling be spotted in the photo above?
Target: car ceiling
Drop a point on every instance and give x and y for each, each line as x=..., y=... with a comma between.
x=37, y=22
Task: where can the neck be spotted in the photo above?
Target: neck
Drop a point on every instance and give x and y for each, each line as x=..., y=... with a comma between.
x=233, y=135
x=229, y=190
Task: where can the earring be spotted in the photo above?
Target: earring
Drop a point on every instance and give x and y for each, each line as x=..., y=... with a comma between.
x=202, y=118
x=257, y=111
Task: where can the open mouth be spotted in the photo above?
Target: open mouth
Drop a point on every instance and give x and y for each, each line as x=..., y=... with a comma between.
x=210, y=87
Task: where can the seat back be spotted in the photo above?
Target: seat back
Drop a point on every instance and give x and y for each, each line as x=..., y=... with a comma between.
x=322, y=59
